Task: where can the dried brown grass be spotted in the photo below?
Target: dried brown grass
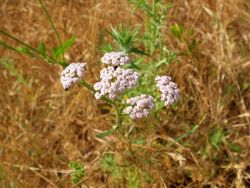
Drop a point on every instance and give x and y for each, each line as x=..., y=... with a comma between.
x=43, y=129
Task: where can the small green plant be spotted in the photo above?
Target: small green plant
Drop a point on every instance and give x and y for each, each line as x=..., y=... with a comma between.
x=218, y=139
x=110, y=165
x=78, y=173
x=131, y=174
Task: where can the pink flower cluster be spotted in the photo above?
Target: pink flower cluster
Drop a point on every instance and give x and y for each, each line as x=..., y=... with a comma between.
x=139, y=106
x=115, y=58
x=72, y=74
x=114, y=81
x=169, y=91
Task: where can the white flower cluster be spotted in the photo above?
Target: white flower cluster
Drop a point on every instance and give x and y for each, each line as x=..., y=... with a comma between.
x=169, y=90
x=72, y=74
x=115, y=58
x=115, y=81
x=139, y=106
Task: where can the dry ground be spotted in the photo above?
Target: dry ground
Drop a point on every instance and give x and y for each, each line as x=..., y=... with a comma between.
x=43, y=128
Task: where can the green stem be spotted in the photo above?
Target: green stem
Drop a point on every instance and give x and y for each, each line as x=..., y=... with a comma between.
x=117, y=109
x=19, y=41
x=53, y=27
x=26, y=45
x=5, y=45
x=88, y=86
x=153, y=7
x=2, y=43
x=118, y=117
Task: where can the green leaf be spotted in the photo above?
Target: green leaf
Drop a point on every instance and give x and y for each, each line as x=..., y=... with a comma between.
x=140, y=141
x=136, y=64
x=217, y=137
x=5, y=45
x=108, y=162
x=63, y=64
x=62, y=49
x=133, y=177
x=161, y=62
x=42, y=48
x=245, y=85
x=138, y=51
x=25, y=51
x=106, y=48
x=106, y=133
x=143, y=5
x=177, y=31
x=190, y=132
x=235, y=147
x=79, y=172
x=192, y=45
x=53, y=51
x=125, y=38
x=132, y=65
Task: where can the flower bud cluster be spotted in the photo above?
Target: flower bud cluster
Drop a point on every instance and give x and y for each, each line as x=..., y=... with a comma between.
x=72, y=74
x=139, y=106
x=115, y=58
x=169, y=90
x=115, y=81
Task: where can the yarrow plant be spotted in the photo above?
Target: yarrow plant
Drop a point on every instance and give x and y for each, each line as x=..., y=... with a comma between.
x=115, y=80
x=127, y=83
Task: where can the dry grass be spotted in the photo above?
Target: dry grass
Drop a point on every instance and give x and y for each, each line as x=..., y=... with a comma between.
x=42, y=128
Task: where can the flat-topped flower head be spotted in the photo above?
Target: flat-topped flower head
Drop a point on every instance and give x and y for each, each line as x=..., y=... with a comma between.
x=72, y=74
x=169, y=90
x=115, y=58
x=139, y=106
x=114, y=81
